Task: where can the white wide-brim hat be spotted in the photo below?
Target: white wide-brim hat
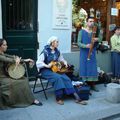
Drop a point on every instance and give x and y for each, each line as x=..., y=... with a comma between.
x=51, y=39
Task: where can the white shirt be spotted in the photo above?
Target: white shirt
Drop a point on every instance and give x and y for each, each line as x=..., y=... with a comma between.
x=41, y=64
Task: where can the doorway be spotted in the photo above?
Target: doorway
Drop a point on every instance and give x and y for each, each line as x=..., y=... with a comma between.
x=20, y=27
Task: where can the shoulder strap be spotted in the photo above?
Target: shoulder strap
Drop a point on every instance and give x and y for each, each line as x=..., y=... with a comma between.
x=58, y=52
x=45, y=52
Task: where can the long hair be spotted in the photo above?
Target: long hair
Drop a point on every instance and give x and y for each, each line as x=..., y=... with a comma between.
x=1, y=42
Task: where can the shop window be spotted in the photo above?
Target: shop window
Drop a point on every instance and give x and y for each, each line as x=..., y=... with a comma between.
x=93, y=8
x=19, y=15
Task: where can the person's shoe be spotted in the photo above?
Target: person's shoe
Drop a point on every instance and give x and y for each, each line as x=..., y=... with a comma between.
x=60, y=102
x=82, y=102
x=94, y=89
x=90, y=93
x=38, y=103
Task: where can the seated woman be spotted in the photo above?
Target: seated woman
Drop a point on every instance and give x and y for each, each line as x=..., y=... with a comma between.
x=13, y=93
x=61, y=83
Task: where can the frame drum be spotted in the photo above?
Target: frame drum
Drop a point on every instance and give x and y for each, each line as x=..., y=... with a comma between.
x=16, y=72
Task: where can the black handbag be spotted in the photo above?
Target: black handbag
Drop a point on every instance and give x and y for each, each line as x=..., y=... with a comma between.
x=102, y=47
x=83, y=91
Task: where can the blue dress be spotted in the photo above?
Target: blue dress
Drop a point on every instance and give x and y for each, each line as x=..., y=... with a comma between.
x=88, y=68
x=61, y=82
x=115, y=63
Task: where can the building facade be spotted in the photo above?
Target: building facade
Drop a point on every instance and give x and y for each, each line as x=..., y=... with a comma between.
x=28, y=24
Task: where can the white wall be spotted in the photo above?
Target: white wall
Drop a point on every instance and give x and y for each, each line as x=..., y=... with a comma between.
x=0, y=20
x=45, y=27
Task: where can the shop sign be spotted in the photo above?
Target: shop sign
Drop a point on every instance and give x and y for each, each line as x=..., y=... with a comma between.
x=61, y=14
x=114, y=11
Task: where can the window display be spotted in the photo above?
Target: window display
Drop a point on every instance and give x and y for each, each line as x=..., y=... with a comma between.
x=81, y=9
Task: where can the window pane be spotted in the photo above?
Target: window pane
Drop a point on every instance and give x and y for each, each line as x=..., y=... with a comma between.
x=96, y=8
x=19, y=14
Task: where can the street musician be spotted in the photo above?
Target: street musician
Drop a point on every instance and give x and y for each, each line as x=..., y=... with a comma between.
x=13, y=92
x=61, y=82
x=87, y=40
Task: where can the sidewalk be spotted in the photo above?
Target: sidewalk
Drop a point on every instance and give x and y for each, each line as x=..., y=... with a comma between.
x=96, y=109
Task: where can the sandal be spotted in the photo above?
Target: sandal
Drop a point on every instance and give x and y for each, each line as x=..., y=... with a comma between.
x=81, y=102
x=60, y=102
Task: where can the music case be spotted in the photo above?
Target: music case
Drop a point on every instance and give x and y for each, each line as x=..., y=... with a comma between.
x=83, y=92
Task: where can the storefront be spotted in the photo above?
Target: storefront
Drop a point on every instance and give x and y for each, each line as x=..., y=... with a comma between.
x=56, y=18
x=107, y=12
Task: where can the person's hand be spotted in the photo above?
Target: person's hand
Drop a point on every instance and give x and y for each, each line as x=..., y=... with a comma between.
x=31, y=63
x=29, y=60
x=95, y=39
x=49, y=65
x=65, y=63
x=88, y=45
x=17, y=60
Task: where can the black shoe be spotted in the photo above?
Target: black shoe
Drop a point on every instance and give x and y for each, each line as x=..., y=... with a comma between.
x=90, y=93
x=38, y=104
